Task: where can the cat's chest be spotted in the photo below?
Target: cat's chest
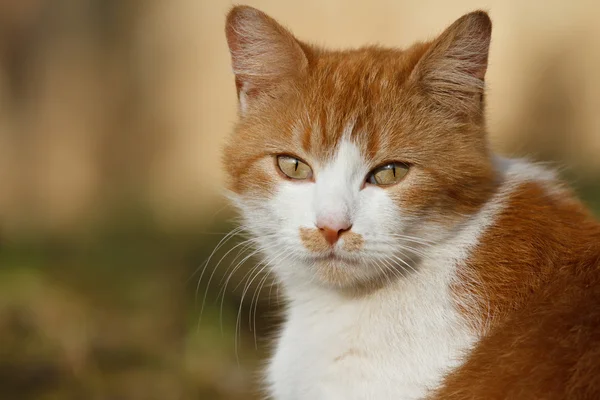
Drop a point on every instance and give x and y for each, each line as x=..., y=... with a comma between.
x=392, y=349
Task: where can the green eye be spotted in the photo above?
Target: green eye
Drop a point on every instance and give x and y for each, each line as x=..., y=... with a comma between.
x=294, y=168
x=387, y=174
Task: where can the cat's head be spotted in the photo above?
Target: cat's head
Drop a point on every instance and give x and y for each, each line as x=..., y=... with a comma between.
x=348, y=165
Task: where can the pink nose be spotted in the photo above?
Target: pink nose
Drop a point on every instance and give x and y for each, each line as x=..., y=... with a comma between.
x=332, y=231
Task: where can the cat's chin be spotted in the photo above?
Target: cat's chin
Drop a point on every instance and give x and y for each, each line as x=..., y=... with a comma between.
x=341, y=273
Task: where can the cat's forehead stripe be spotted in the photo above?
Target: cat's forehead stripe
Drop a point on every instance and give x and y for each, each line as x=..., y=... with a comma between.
x=307, y=134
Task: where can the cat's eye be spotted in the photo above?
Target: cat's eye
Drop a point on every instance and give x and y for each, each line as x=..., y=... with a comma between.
x=294, y=168
x=387, y=174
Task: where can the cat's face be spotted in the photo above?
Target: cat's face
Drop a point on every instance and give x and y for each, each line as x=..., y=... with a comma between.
x=347, y=166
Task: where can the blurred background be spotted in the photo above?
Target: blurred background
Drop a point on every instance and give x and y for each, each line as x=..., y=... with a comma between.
x=112, y=115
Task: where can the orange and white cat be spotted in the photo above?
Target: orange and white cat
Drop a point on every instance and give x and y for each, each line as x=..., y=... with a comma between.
x=415, y=263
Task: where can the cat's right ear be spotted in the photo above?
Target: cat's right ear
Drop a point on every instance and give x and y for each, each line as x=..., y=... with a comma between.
x=264, y=54
x=452, y=71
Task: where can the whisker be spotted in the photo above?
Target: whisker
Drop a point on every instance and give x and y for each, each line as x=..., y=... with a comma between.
x=263, y=249
x=414, y=238
x=238, y=320
x=244, y=248
x=276, y=258
x=257, y=292
x=411, y=252
x=390, y=267
x=224, y=240
x=224, y=288
x=268, y=262
x=382, y=275
x=239, y=264
x=212, y=274
x=403, y=262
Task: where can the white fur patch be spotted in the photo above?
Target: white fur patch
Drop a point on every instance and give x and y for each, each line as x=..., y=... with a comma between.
x=337, y=186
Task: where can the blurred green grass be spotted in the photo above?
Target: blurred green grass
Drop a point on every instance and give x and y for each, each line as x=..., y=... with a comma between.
x=113, y=313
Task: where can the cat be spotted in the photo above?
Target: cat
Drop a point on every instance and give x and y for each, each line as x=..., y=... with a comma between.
x=415, y=262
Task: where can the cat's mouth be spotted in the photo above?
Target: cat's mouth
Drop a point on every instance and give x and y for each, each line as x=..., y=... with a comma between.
x=331, y=256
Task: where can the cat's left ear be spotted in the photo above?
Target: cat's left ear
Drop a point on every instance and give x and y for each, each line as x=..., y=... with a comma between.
x=264, y=55
x=452, y=71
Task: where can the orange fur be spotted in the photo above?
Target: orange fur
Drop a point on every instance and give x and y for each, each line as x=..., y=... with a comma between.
x=353, y=241
x=314, y=240
x=538, y=278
